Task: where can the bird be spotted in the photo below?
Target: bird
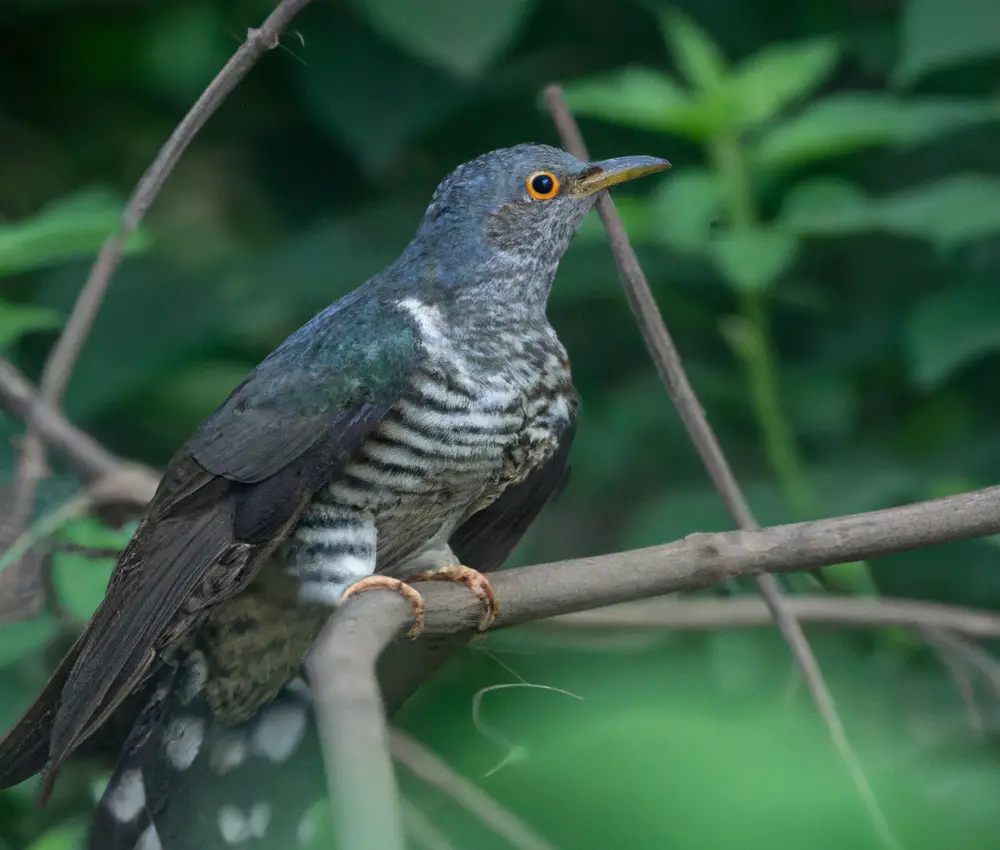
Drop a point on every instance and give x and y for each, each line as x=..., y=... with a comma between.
x=411, y=431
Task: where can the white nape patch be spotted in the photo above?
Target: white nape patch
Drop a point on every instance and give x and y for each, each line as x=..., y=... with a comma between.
x=229, y=752
x=237, y=826
x=428, y=319
x=127, y=797
x=343, y=571
x=183, y=741
x=149, y=840
x=278, y=732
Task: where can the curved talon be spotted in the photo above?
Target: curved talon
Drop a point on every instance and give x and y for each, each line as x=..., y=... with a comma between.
x=402, y=588
x=472, y=579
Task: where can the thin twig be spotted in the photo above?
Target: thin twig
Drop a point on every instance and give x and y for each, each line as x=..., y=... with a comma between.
x=83, y=453
x=425, y=764
x=974, y=656
x=746, y=611
x=61, y=360
x=423, y=831
x=671, y=371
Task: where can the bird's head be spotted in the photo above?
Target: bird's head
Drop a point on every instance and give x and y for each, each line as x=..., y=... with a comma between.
x=510, y=214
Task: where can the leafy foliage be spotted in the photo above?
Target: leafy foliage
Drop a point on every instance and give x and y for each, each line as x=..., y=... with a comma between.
x=825, y=251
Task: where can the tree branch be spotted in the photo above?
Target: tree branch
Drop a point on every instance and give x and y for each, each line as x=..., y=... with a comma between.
x=352, y=727
x=702, y=559
x=746, y=611
x=425, y=764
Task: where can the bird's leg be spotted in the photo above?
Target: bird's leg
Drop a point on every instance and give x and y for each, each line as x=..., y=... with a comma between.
x=378, y=582
x=472, y=579
x=332, y=556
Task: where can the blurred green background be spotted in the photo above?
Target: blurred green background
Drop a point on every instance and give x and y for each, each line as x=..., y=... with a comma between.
x=826, y=251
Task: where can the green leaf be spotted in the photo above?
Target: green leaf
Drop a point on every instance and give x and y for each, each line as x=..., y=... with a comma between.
x=823, y=206
x=939, y=34
x=73, y=227
x=780, y=75
x=685, y=207
x=957, y=209
x=698, y=56
x=80, y=582
x=645, y=99
x=93, y=534
x=19, y=320
x=845, y=123
x=948, y=330
x=752, y=260
x=400, y=99
x=18, y=640
x=70, y=836
x=455, y=35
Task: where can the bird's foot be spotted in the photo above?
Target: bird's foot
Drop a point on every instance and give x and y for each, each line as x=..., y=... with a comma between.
x=401, y=587
x=472, y=579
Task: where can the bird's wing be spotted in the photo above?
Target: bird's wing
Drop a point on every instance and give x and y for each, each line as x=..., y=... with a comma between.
x=226, y=499
x=487, y=538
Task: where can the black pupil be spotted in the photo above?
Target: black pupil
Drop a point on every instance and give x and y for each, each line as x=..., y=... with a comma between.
x=542, y=184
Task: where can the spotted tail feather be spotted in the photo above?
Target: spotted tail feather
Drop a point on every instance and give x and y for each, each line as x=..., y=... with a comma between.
x=185, y=783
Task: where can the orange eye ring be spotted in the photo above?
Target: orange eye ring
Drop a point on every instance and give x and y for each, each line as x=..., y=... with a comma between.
x=542, y=185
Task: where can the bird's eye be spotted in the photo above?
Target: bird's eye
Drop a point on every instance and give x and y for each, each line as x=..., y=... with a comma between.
x=543, y=185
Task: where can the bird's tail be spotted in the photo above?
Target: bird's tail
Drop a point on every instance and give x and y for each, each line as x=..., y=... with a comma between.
x=183, y=782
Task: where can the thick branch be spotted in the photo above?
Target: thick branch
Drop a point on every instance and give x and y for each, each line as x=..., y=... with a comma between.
x=699, y=560
x=351, y=721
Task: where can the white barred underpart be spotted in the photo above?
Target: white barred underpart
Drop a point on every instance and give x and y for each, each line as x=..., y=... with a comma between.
x=149, y=840
x=128, y=797
x=237, y=825
x=183, y=741
x=462, y=428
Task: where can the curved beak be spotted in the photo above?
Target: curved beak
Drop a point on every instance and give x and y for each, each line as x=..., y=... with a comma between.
x=611, y=172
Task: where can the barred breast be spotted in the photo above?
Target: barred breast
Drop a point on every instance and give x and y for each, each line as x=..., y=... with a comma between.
x=472, y=421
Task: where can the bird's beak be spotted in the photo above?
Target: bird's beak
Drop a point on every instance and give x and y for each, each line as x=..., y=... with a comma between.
x=611, y=172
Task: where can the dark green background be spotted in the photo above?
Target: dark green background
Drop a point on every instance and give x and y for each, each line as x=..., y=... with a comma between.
x=825, y=250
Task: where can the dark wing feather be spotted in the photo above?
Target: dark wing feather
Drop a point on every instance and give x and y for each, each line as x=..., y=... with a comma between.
x=487, y=538
x=225, y=501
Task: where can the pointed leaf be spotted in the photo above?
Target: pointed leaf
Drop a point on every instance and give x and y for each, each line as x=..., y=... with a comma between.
x=641, y=98
x=781, y=74
x=824, y=206
x=951, y=329
x=457, y=36
x=80, y=582
x=401, y=98
x=685, y=207
x=72, y=227
x=18, y=320
x=698, y=57
x=844, y=123
x=939, y=34
x=752, y=260
x=18, y=640
x=947, y=212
